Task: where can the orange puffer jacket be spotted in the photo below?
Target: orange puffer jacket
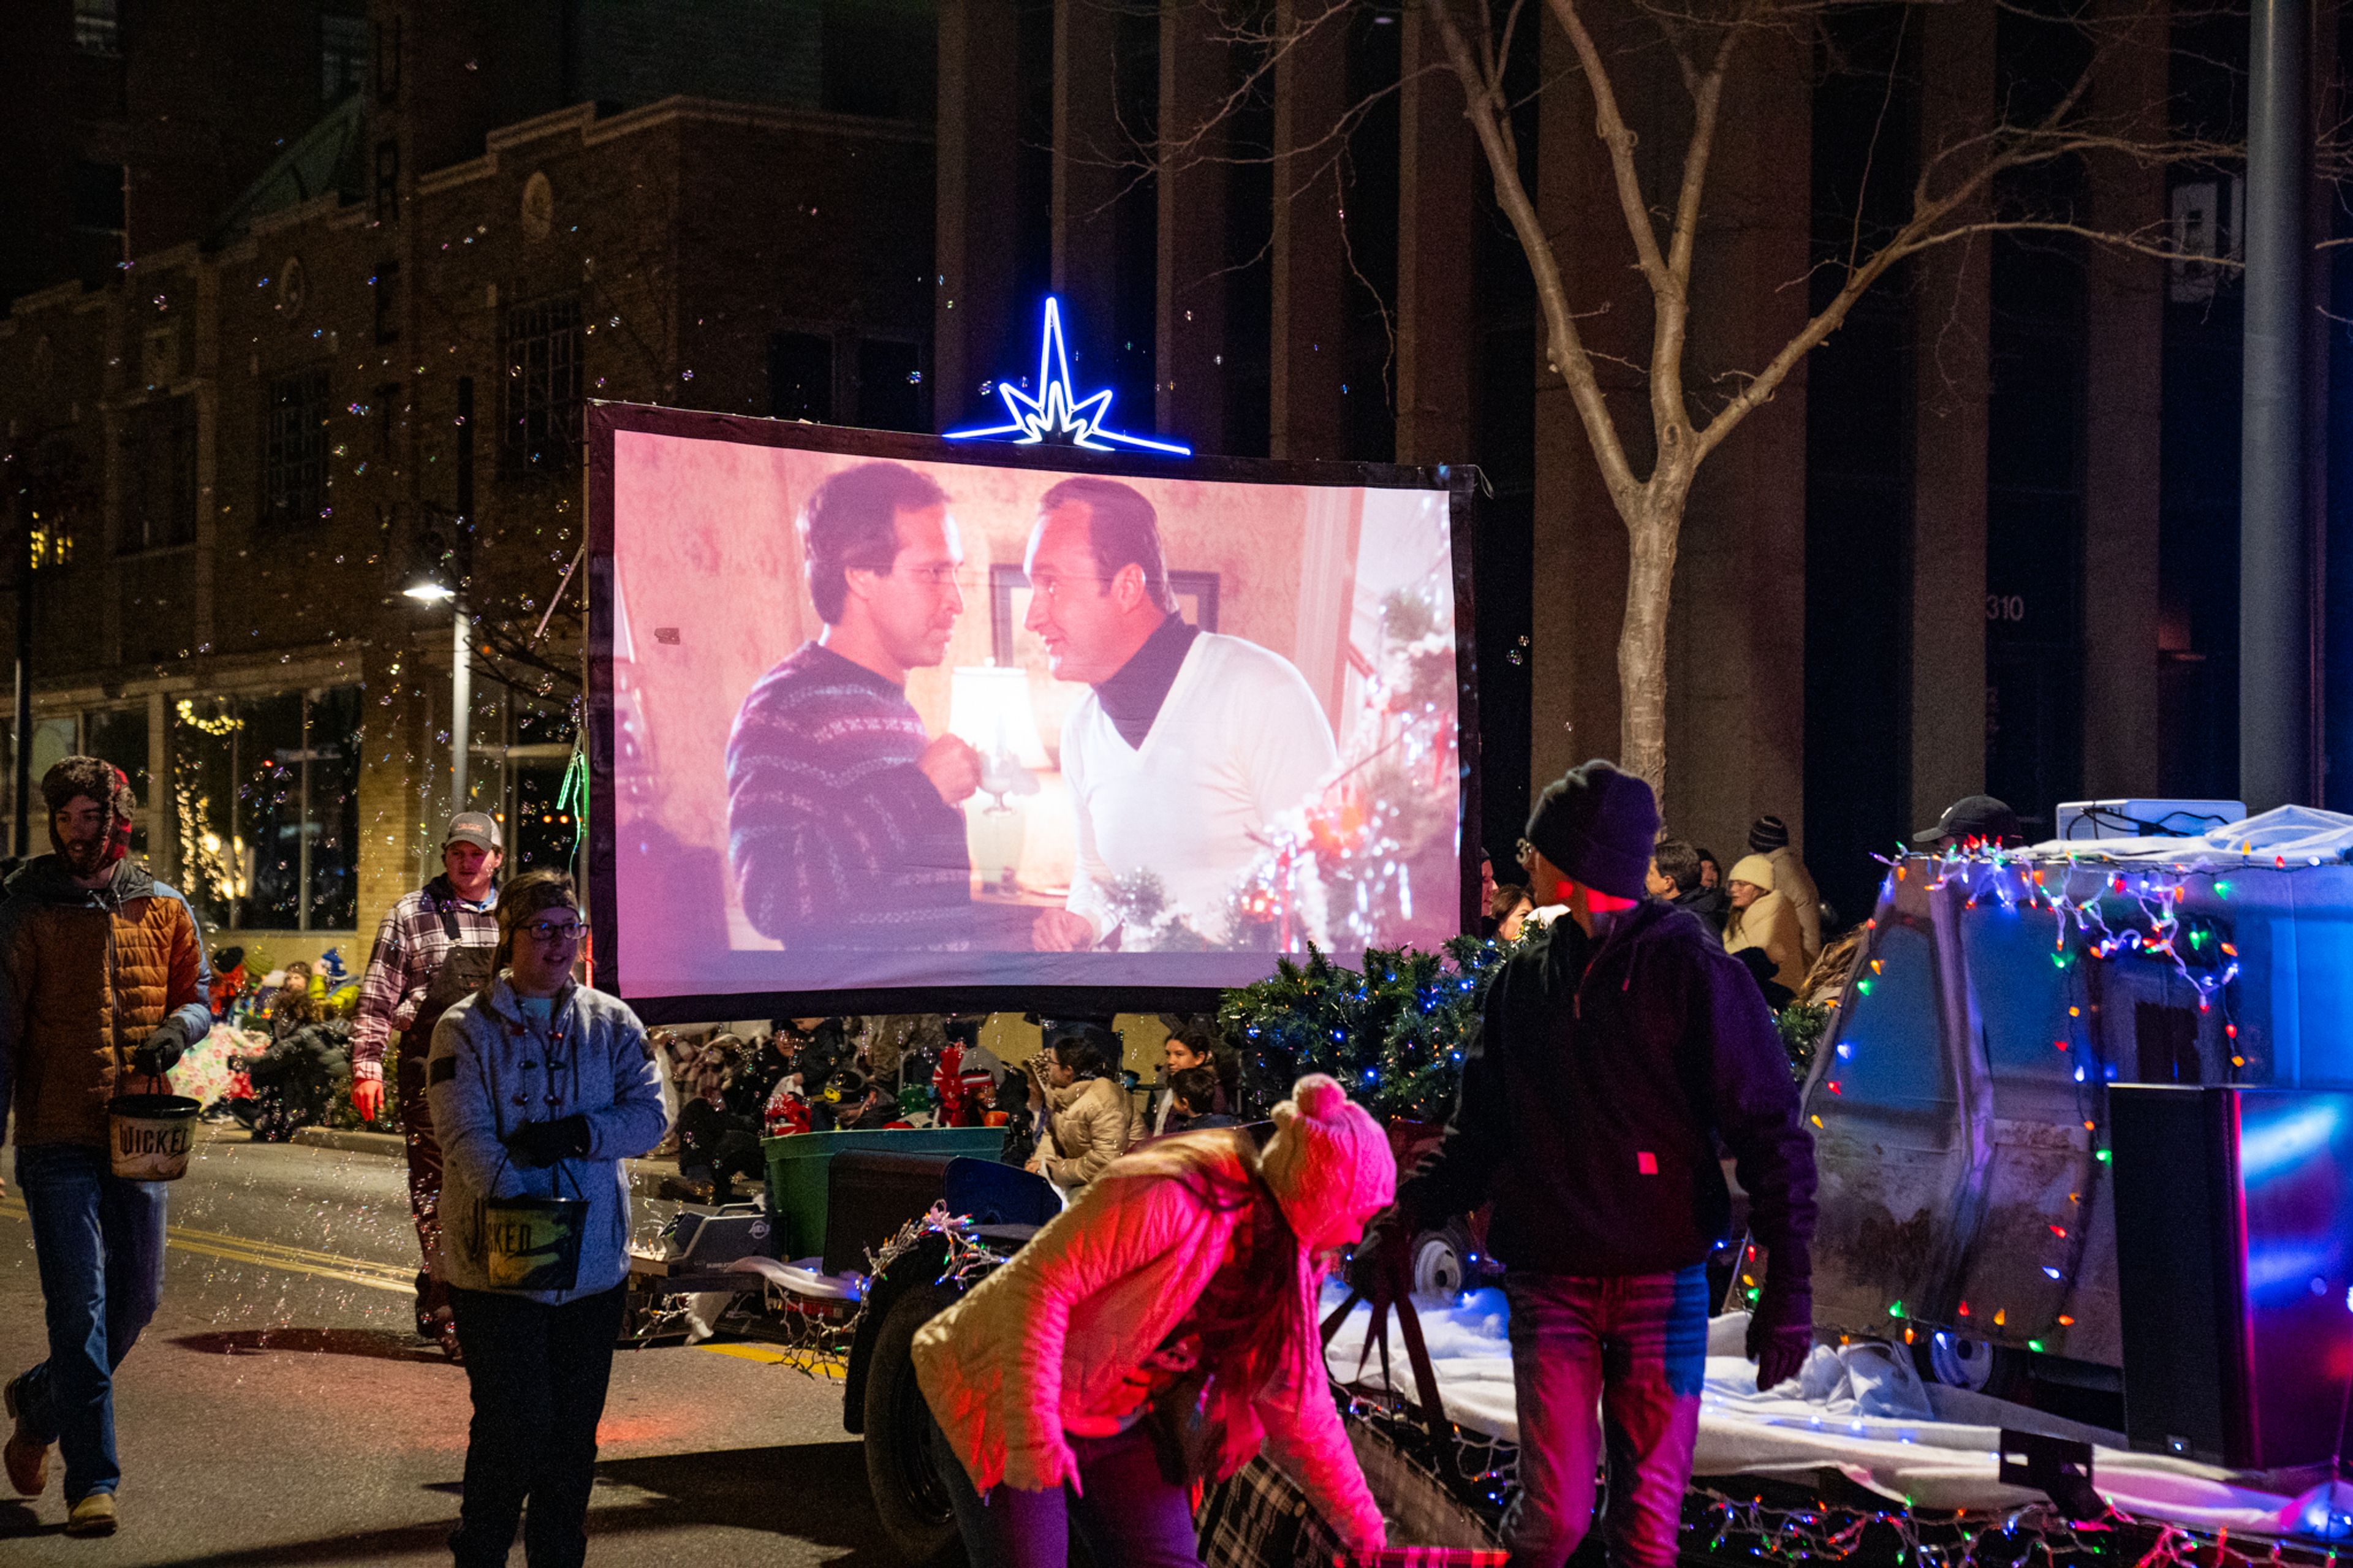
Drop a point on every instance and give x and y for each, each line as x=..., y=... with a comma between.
x=85, y=977
x=1044, y=1346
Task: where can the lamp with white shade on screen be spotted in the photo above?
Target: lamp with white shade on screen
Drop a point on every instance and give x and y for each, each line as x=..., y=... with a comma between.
x=990, y=708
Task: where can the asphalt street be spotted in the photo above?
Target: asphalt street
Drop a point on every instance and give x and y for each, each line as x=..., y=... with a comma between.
x=280, y=1411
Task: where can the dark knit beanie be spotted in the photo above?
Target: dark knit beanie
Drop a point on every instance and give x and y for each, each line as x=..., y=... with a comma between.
x=1597, y=824
x=1768, y=834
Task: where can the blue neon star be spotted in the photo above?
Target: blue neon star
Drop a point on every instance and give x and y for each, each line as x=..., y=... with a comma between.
x=1059, y=417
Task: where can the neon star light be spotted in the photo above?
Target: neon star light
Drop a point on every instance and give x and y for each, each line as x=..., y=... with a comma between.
x=1059, y=417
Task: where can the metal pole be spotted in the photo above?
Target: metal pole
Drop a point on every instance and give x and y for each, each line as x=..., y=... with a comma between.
x=21, y=840
x=302, y=857
x=462, y=671
x=2275, y=652
x=461, y=705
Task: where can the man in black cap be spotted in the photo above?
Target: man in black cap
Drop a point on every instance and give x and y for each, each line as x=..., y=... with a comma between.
x=433, y=947
x=1972, y=822
x=1617, y=1046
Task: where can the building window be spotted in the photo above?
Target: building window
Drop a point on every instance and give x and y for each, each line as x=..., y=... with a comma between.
x=800, y=376
x=890, y=391
x=386, y=282
x=159, y=475
x=94, y=192
x=61, y=498
x=266, y=800
x=117, y=735
x=520, y=778
x=387, y=399
x=97, y=27
x=294, y=449
x=542, y=417
x=387, y=181
x=343, y=56
x=388, y=62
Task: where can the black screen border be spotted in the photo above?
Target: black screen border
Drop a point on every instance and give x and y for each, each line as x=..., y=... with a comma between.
x=607, y=420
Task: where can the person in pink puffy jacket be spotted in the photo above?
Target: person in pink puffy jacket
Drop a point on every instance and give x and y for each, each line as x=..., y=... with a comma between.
x=1159, y=1330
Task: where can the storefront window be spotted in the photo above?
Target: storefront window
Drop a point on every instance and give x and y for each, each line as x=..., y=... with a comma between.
x=530, y=764
x=118, y=735
x=268, y=794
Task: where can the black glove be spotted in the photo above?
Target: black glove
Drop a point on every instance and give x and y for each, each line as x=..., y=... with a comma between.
x=1382, y=1267
x=1780, y=1335
x=163, y=1047
x=545, y=1143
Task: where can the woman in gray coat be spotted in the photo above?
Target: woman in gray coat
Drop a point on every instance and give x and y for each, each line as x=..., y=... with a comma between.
x=540, y=1088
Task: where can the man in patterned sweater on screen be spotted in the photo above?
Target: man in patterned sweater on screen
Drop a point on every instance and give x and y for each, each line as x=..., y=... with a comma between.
x=844, y=820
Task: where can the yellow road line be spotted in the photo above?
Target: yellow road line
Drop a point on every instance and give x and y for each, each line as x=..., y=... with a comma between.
x=746, y=1352
x=768, y=1356
x=335, y=1259
x=261, y=1260
x=270, y=1255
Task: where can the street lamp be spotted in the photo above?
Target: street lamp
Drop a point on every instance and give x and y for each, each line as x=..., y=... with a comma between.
x=431, y=587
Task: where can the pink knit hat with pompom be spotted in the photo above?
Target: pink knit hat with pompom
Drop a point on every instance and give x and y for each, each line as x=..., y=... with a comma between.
x=1328, y=1163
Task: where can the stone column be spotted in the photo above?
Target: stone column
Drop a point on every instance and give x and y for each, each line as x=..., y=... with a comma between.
x=1736, y=638
x=403, y=783
x=1438, y=184
x=2123, y=416
x=973, y=308
x=1578, y=549
x=1308, y=360
x=1087, y=176
x=1189, y=336
x=1953, y=302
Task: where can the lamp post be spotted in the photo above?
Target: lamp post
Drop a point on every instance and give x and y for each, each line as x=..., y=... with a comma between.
x=431, y=589
x=438, y=583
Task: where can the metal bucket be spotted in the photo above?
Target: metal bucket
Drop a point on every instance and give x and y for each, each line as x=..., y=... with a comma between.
x=149, y=1135
x=532, y=1244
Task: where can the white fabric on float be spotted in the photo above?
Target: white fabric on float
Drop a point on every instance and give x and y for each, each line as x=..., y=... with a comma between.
x=1856, y=1423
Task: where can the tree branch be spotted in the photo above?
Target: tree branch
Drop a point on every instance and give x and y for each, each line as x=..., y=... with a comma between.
x=1565, y=349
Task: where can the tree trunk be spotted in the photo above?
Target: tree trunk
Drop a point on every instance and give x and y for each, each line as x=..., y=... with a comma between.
x=1654, y=524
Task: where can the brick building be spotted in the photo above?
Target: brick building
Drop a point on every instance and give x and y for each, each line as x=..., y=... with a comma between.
x=240, y=448
x=1984, y=538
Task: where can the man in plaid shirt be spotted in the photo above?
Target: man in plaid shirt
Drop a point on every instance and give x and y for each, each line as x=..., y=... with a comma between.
x=434, y=946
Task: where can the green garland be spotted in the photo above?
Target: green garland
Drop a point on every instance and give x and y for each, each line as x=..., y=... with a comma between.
x=1393, y=1034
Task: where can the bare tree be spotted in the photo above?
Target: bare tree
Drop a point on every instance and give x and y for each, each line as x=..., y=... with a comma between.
x=1963, y=190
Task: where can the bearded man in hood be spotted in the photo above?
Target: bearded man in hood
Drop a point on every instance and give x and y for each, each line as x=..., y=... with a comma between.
x=102, y=986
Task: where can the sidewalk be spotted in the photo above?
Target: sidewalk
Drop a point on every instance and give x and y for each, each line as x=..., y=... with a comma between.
x=645, y=1175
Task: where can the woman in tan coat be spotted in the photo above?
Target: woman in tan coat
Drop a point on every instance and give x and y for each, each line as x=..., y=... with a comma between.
x=1762, y=918
x=1086, y=1119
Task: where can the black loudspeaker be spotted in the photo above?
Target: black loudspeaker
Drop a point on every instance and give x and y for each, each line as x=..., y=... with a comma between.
x=2234, y=1257
x=2176, y=1236
x=869, y=1195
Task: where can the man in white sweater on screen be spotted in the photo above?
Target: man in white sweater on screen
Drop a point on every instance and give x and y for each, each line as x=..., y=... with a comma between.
x=1191, y=744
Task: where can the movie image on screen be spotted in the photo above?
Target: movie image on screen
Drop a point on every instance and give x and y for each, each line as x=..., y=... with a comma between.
x=933, y=724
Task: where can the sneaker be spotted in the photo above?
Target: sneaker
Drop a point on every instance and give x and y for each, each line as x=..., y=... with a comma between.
x=27, y=1462
x=94, y=1515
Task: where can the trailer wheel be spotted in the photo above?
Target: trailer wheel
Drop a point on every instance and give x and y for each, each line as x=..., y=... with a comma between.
x=1959, y=1362
x=910, y=1496
x=1442, y=1262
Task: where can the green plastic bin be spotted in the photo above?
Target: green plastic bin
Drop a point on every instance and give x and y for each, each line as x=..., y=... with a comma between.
x=797, y=1171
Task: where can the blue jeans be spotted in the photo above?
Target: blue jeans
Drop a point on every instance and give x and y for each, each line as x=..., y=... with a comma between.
x=1127, y=1514
x=1631, y=1349
x=99, y=1240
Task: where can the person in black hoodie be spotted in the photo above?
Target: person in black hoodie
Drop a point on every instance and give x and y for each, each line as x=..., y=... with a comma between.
x=1617, y=1049
x=1674, y=878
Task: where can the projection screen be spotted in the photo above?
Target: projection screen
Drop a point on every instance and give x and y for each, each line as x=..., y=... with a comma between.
x=887, y=722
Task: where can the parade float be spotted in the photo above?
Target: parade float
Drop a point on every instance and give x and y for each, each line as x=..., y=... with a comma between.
x=2082, y=1112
